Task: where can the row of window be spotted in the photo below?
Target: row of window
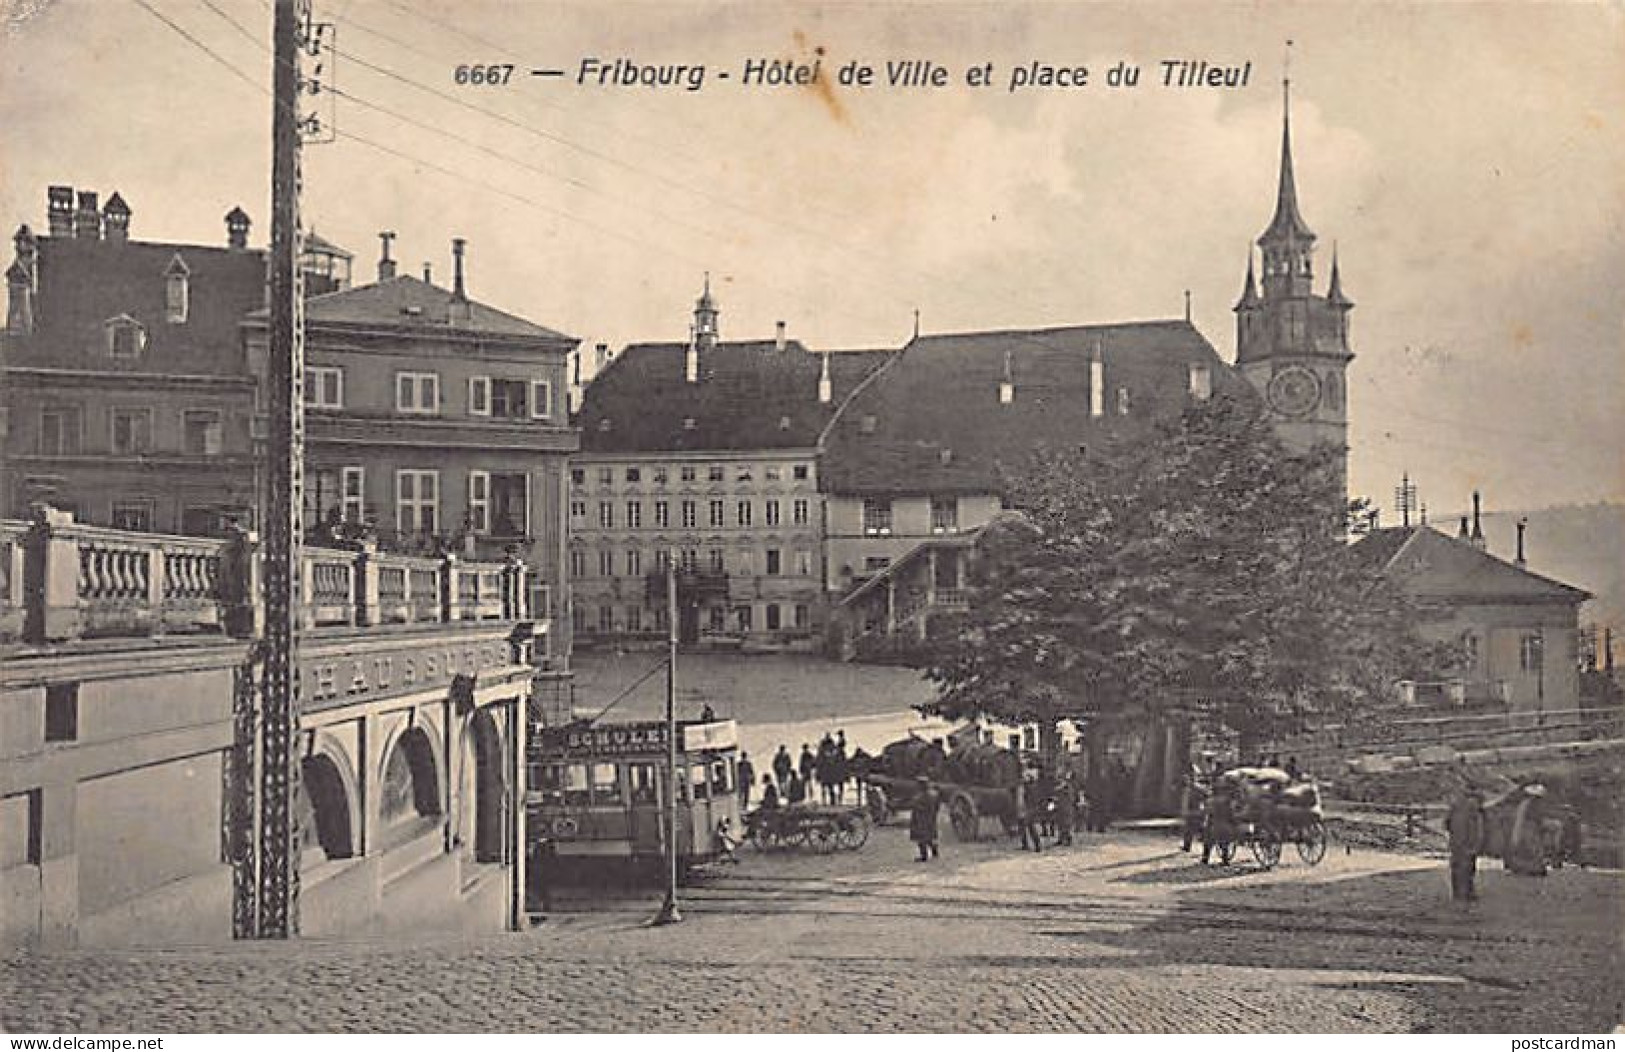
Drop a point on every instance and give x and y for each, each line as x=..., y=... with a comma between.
x=877, y=516
x=661, y=475
x=62, y=430
x=419, y=393
x=498, y=502
x=688, y=514
x=717, y=618
x=774, y=562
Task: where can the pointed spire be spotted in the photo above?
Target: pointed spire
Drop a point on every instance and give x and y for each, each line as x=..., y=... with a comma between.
x=1287, y=223
x=1334, y=294
x=1249, y=291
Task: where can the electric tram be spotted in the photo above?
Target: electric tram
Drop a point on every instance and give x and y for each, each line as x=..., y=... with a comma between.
x=599, y=790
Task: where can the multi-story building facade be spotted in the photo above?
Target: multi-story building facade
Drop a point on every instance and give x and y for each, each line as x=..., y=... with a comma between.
x=126, y=398
x=437, y=424
x=706, y=453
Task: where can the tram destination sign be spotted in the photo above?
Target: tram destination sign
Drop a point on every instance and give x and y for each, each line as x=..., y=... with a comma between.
x=620, y=739
x=633, y=739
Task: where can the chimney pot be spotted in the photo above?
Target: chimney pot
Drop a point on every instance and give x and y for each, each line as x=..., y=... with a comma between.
x=458, y=288
x=59, y=210
x=386, y=266
x=237, y=224
x=116, y=218
x=87, y=221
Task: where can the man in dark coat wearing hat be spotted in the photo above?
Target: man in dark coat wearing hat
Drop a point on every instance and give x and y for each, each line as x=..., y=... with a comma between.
x=922, y=819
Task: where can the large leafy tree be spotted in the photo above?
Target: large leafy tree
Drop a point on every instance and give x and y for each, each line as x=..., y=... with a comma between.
x=1186, y=561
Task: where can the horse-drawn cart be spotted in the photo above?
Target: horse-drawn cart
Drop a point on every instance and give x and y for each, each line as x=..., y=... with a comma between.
x=823, y=829
x=1263, y=809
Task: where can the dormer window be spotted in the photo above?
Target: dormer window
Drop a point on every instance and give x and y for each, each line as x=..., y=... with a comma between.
x=688, y=423
x=605, y=424
x=867, y=425
x=125, y=337
x=1201, y=382
x=177, y=291
x=784, y=423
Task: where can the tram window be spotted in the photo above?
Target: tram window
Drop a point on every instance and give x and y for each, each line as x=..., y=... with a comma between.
x=606, y=783
x=721, y=779
x=551, y=783
x=576, y=791
x=696, y=775
x=641, y=776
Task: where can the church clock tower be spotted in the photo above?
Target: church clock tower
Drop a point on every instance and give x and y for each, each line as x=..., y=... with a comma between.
x=1291, y=344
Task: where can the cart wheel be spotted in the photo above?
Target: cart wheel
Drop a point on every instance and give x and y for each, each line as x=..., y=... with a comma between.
x=966, y=822
x=854, y=831
x=822, y=837
x=1266, y=845
x=1312, y=842
x=879, y=805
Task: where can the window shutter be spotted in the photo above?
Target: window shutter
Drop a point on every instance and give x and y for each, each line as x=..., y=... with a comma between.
x=479, y=395
x=541, y=399
x=479, y=501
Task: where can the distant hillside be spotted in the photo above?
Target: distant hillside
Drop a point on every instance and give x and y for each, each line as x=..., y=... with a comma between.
x=1578, y=544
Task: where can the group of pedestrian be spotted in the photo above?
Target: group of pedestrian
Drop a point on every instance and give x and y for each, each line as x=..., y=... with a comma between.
x=1045, y=804
x=792, y=781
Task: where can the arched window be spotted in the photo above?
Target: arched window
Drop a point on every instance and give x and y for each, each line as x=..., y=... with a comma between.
x=324, y=809
x=411, y=787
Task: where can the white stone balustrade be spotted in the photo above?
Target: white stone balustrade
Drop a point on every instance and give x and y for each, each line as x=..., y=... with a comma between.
x=61, y=580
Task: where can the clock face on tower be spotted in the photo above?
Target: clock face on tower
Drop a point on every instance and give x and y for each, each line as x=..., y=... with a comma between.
x=1293, y=392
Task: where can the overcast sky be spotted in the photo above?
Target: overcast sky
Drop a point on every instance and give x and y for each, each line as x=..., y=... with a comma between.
x=1468, y=161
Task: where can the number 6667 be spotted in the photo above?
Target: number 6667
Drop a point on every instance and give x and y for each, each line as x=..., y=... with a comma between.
x=496, y=73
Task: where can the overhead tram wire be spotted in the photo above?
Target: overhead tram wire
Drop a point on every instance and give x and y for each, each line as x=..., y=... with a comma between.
x=875, y=264
x=623, y=695
x=878, y=266
x=403, y=155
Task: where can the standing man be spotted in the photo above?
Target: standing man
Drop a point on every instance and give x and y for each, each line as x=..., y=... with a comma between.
x=1026, y=806
x=747, y=780
x=922, y=819
x=782, y=766
x=1465, y=824
x=807, y=765
x=1066, y=809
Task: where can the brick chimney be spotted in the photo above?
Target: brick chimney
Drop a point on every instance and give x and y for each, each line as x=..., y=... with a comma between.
x=386, y=266
x=1523, y=524
x=237, y=224
x=116, y=219
x=1478, y=526
x=87, y=221
x=778, y=336
x=59, y=208
x=826, y=390
x=600, y=358
x=428, y=273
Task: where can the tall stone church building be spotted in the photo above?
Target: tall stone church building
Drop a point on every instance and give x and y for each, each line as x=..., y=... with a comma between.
x=1291, y=344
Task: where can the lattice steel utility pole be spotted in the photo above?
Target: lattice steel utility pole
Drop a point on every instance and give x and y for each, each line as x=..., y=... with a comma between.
x=278, y=840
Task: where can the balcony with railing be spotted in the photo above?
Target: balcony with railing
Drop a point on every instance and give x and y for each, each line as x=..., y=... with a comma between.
x=61, y=580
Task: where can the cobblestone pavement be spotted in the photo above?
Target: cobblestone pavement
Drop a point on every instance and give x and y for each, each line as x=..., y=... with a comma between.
x=1120, y=933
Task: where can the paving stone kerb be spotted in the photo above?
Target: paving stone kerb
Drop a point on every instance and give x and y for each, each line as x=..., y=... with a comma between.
x=1120, y=933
